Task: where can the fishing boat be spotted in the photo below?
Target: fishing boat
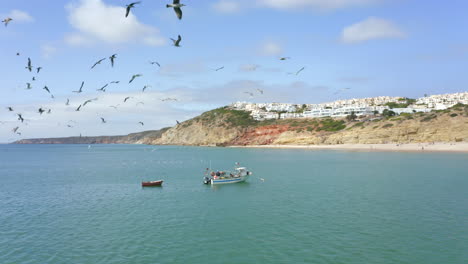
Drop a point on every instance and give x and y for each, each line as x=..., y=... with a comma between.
x=151, y=183
x=240, y=174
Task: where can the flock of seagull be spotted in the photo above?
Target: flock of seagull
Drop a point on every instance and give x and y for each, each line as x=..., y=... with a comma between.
x=176, y=5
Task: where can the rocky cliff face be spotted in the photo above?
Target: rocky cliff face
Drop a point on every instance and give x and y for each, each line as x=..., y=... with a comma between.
x=221, y=128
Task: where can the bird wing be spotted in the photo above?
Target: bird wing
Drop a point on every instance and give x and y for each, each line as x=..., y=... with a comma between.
x=128, y=10
x=178, y=12
x=176, y=2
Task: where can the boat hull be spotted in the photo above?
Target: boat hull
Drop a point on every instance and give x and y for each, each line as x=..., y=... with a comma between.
x=227, y=180
x=151, y=184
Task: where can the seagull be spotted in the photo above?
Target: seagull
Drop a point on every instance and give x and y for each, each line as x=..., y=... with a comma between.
x=29, y=67
x=46, y=88
x=141, y=123
x=89, y=101
x=146, y=86
x=98, y=62
x=41, y=110
x=10, y=109
x=134, y=76
x=177, y=42
x=103, y=120
x=70, y=126
x=284, y=58
x=103, y=89
x=15, y=129
x=155, y=62
x=300, y=70
x=28, y=86
x=7, y=20
x=176, y=5
x=49, y=111
x=220, y=68
x=178, y=122
x=130, y=6
x=260, y=91
x=114, y=106
x=112, y=58
x=68, y=102
x=20, y=118
x=33, y=78
x=17, y=53
x=81, y=88
x=114, y=82
x=126, y=98
x=78, y=109
x=39, y=69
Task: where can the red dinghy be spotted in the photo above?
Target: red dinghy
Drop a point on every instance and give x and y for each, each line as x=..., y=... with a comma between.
x=152, y=183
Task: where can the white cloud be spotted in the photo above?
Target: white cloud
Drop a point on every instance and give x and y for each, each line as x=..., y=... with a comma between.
x=20, y=16
x=314, y=4
x=371, y=28
x=248, y=67
x=98, y=22
x=271, y=49
x=227, y=7
x=48, y=50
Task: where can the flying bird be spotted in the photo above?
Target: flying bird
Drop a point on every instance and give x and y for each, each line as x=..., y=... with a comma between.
x=140, y=103
x=134, y=76
x=46, y=88
x=41, y=111
x=7, y=20
x=155, y=62
x=81, y=88
x=145, y=87
x=89, y=101
x=260, y=91
x=176, y=5
x=97, y=62
x=15, y=129
x=49, y=111
x=141, y=123
x=114, y=106
x=130, y=6
x=112, y=58
x=17, y=53
x=10, y=108
x=28, y=86
x=177, y=42
x=20, y=118
x=220, y=68
x=103, y=89
x=300, y=70
x=103, y=120
x=78, y=109
x=114, y=82
x=284, y=58
x=33, y=78
x=38, y=69
x=29, y=67
x=68, y=102
x=126, y=98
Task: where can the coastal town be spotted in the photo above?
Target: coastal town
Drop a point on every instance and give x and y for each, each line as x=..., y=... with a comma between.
x=358, y=107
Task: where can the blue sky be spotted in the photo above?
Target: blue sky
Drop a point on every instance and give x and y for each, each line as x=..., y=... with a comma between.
x=374, y=47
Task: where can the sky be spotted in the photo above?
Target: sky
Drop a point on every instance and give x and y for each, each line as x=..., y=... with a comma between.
x=373, y=47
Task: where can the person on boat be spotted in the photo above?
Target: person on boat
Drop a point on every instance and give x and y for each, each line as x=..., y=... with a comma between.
x=218, y=173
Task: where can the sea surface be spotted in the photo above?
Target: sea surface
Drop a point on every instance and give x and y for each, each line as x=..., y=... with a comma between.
x=80, y=204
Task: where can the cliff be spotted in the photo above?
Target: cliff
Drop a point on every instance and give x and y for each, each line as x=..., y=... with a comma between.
x=134, y=138
x=230, y=127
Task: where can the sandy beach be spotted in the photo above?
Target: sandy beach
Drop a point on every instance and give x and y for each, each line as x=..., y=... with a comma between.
x=414, y=147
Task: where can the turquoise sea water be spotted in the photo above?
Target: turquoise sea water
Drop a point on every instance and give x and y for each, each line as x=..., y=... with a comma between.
x=71, y=204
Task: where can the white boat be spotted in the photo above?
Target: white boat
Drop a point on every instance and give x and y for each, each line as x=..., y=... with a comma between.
x=240, y=174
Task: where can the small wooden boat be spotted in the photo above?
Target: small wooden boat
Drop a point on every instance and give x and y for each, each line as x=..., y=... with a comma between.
x=152, y=183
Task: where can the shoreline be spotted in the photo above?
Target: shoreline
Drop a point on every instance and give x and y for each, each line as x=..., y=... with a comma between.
x=410, y=147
